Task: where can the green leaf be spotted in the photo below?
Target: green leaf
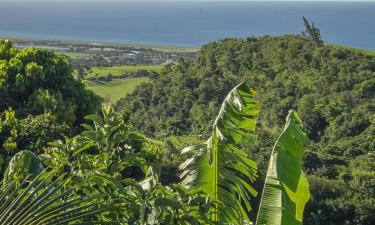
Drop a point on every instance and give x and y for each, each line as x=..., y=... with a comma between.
x=167, y=202
x=286, y=190
x=84, y=147
x=221, y=168
x=87, y=126
x=23, y=164
x=96, y=118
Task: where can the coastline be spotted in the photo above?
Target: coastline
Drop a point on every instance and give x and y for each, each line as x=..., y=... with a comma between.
x=164, y=48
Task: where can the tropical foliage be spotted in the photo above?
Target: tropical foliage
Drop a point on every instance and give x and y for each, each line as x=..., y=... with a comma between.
x=223, y=170
x=34, y=81
x=332, y=88
x=46, y=200
x=220, y=167
x=286, y=190
x=122, y=176
x=105, y=175
x=32, y=133
x=40, y=100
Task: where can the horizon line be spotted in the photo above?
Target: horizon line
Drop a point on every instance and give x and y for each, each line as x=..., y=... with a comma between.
x=187, y=1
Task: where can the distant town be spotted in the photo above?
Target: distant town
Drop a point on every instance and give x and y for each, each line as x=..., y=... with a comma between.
x=95, y=54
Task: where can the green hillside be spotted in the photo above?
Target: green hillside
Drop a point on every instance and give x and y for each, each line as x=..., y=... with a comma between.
x=262, y=130
x=331, y=87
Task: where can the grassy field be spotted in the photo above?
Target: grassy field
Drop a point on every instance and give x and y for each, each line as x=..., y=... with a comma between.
x=173, y=49
x=70, y=54
x=120, y=70
x=116, y=89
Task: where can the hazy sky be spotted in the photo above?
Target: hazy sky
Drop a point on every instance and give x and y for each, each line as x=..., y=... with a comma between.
x=180, y=0
x=185, y=0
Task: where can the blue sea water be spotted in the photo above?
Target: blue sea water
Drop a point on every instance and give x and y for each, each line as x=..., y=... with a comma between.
x=186, y=23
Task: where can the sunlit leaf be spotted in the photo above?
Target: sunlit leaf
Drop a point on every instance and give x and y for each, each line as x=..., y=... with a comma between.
x=221, y=168
x=286, y=190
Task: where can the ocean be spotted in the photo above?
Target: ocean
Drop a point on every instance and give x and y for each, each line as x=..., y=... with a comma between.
x=189, y=24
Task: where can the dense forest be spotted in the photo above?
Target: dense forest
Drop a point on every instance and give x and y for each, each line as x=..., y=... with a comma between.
x=331, y=88
x=63, y=160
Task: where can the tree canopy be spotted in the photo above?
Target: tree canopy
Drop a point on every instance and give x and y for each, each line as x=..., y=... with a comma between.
x=34, y=81
x=332, y=88
x=40, y=100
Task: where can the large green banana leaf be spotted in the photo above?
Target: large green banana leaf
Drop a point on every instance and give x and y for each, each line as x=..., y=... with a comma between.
x=220, y=167
x=286, y=190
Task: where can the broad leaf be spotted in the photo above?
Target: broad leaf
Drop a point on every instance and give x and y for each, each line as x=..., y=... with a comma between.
x=22, y=165
x=286, y=190
x=221, y=168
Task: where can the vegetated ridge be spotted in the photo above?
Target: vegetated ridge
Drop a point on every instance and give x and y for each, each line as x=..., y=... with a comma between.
x=331, y=87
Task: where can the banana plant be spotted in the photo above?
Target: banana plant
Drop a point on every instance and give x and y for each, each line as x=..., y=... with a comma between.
x=286, y=190
x=223, y=170
x=220, y=167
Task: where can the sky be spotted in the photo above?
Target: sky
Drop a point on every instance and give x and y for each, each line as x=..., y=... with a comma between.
x=185, y=0
x=181, y=0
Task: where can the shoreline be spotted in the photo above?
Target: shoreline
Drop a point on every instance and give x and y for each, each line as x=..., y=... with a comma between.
x=163, y=48
x=172, y=48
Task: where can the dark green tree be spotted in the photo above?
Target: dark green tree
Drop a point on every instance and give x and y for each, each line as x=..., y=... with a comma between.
x=35, y=81
x=40, y=100
x=312, y=33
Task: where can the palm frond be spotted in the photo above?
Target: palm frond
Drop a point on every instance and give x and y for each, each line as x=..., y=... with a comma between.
x=46, y=200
